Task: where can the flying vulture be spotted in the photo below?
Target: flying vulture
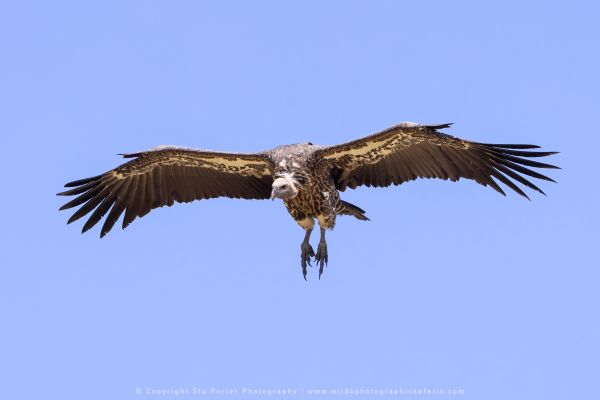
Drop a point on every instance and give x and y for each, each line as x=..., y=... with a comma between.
x=307, y=177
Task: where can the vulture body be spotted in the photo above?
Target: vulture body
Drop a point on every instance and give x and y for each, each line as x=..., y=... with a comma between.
x=307, y=177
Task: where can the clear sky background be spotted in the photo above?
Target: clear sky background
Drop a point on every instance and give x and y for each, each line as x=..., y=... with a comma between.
x=450, y=285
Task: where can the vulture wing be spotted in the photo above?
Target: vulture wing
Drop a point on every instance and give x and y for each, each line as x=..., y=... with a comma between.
x=158, y=178
x=409, y=151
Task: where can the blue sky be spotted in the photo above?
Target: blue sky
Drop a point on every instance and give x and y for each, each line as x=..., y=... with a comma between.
x=449, y=286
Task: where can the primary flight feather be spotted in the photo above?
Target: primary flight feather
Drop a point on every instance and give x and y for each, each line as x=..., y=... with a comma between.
x=307, y=177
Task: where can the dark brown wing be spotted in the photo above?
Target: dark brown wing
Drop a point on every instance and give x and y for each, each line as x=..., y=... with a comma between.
x=409, y=151
x=159, y=178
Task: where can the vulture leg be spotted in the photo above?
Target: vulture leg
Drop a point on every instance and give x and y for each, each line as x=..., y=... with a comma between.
x=307, y=251
x=321, y=258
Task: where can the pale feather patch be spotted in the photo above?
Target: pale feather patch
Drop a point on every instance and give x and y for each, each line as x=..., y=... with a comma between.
x=323, y=222
x=286, y=179
x=242, y=164
x=408, y=124
x=364, y=149
x=168, y=146
x=307, y=223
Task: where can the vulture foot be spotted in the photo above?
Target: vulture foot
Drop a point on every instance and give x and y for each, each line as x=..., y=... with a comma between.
x=306, y=255
x=321, y=258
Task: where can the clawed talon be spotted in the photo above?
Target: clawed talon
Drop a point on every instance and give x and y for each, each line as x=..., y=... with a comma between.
x=307, y=253
x=321, y=258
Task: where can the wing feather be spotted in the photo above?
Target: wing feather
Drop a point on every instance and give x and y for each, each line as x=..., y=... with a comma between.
x=162, y=177
x=103, y=208
x=409, y=151
x=81, y=198
x=148, y=198
x=133, y=200
x=89, y=205
x=117, y=209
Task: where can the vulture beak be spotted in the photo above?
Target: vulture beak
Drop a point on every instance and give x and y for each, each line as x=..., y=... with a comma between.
x=273, y=194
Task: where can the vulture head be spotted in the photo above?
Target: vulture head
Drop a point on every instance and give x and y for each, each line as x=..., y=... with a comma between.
x=285, y=187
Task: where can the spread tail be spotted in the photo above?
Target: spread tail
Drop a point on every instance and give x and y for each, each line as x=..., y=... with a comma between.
x=351, y=209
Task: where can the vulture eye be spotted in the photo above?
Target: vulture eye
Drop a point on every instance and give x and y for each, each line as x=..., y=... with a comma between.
x=284, y=187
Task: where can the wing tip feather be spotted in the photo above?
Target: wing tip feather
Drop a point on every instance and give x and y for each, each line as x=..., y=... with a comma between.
x=439, y=126
x=83, y=181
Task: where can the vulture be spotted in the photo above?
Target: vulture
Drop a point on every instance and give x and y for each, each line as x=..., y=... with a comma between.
x=308, y=178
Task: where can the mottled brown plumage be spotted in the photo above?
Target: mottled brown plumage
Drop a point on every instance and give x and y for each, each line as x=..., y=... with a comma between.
x=308, y=178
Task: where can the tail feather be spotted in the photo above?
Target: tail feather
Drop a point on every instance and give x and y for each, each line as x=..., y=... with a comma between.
x=351, y=209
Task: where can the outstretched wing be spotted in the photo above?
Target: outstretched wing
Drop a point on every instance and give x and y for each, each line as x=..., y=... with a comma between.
x=409, y=151
x=158, y=178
